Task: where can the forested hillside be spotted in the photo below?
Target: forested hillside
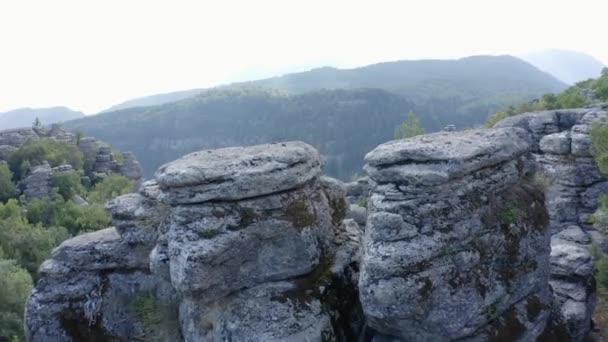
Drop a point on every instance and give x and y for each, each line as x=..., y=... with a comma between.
x=342, y=124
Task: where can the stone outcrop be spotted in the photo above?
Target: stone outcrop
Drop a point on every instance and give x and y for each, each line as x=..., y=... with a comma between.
x=457, y=235
x=565, y=167
x=38, y=183
x=478, y=235
x=237, y=260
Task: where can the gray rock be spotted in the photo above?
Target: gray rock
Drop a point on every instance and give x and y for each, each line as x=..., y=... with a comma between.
x=242, y=244
x=38, y=183
x=136, y=217
x=357, y=213
x=238, y=172
x=6, y=151
x=269, y=312
x=358, y=191
x=100, y=250
x=130, y=167
x=79, y=201
x=17, y=137
x=436, y=158
x=570, y=199
x=557, y=143
x=442, y=235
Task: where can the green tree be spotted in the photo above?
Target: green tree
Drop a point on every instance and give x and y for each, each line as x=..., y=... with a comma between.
x=27, y=244
x=7, y=188
x=110, y=187
x=93, y=217
x=37, y=123
x=549, y=102
x=410, y=128
x=34, y=152
x=15, y=287
x=68, y=184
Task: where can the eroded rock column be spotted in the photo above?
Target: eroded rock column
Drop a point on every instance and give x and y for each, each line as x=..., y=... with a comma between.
x=565, y=167
x=247, y=244
x=457, y=240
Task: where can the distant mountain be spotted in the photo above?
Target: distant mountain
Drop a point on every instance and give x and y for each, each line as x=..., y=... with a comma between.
x=154, y=100
x=568, y=66
x=25, y=117
x=344, y=113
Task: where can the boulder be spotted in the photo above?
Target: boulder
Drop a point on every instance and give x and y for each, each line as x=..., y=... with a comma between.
x=238, y=172
x=38, y=183
x=557, y=143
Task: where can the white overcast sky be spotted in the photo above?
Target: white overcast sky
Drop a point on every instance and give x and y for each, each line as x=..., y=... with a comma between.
x=89, y=55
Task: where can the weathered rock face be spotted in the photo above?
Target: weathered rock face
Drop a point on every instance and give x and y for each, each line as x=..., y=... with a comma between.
x=236, y=261
x=457, y=243
x=244, y=223
x=474, y=236
x=573, y=183
x=38, y=183
x=96, y=287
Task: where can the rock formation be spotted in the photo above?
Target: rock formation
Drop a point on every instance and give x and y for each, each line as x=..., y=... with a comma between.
x=478, y=235
x=566, y=169
x=457, y=234
x=247, y=244
x=38, y=182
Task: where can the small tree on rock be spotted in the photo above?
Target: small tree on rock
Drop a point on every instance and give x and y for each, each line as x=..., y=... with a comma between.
x=410, y=128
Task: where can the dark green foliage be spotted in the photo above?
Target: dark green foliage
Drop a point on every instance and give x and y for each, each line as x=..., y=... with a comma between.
x=599, y=146
x=58, y=212
x=37, y=151
x=15, y=287
x=68, y=184
x=110, y=187
x=25, y=243
x=248, y=216
x=7, y=188
x=510, y=215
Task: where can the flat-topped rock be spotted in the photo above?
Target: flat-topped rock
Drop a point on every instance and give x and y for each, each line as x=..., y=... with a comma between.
x=238, y=172
x=100, y=250
x=436, y=158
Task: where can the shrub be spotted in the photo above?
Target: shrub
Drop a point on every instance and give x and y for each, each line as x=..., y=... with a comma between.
x=68, y=184
x=7, y=188
x=510, y=215
x=362, y=203
x=15, y=287
x=110, y=187
x=34, y=152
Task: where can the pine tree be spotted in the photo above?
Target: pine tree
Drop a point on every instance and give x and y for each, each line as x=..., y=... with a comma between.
x=410, y=128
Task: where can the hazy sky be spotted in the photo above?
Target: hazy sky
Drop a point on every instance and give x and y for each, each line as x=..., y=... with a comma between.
x=89, y=55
